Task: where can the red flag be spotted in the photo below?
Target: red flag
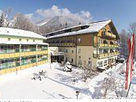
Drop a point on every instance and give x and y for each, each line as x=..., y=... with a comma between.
x=129, y=66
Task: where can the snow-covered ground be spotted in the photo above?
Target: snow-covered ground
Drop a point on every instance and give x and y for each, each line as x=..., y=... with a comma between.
x=62, y=85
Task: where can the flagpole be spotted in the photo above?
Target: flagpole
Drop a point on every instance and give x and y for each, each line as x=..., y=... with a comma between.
x=130, y=62
x=128, y=90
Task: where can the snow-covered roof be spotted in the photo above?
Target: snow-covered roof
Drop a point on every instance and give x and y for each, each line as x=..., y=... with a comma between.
x=19, y=33
x=93, y=27
x=24, y=43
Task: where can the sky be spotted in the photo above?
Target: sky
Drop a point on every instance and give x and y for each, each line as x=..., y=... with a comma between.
x=122, y=12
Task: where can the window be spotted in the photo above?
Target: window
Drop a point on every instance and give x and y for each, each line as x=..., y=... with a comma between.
x=111, y=42
x=113, y=60
x=66, y=50
x=100, y=51
x=79, y=40
x=66, y=59
x=72, y=60
x=60, y=50
x=105, y=51
x=79, y=50
x=105, y=63
x=20, y=39
x=80, y=62
x=109, y=31
x=105, y=42
x=72, y=51
x=9, y=39
x=90, y=62
x=104, y=31
x=100, y=64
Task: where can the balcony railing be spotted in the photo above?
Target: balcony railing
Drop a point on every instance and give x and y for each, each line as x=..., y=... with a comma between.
x=104, y=55
x=8, y=65
x=109, y=35
x=62, y=44
x=18, y=54
x=108, y=45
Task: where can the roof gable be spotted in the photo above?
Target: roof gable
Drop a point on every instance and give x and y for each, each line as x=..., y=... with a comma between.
x=92, y=28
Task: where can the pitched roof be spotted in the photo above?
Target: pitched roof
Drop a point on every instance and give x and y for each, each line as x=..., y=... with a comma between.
x=19, y=33
x=92, y=27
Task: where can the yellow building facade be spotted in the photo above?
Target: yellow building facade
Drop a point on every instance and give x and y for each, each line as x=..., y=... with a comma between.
x=93, y=45
x=21, y=49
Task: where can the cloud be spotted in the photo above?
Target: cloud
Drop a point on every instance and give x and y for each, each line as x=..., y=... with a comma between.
x=46, y=14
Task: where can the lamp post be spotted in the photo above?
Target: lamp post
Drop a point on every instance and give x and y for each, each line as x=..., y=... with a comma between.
x=77, y=94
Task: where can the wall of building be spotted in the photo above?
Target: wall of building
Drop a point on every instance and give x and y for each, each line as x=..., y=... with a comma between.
x=85, y=56
x=89, y=49
x=106, y=62
x=85, y=39
x=80, y=55
x=17, y=55
x=20, y=39
x=70, y=54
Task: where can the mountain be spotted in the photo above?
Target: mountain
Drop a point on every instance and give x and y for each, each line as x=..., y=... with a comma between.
x=41, y=23
x=60, y=20
x=57, y=22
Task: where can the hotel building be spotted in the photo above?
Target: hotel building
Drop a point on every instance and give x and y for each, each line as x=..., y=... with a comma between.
x=93, y=45
x=21, y=49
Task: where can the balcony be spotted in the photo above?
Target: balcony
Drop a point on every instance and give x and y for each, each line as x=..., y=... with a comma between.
x=105, y=55
x=103, y=45
x=109, y=35
x=63, y=44
x=116, y=53
x=108, y=45
x=14, y=55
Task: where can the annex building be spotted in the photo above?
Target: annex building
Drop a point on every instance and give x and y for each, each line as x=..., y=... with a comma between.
x=93, y=45
x=21, y=49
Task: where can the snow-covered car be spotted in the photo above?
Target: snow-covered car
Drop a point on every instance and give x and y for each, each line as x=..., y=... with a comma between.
x=101, y=68
x=120, y=60
x=67, y=67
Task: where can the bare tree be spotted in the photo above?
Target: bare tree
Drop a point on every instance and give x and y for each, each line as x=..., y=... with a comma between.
x=5, y=17
x=108, y=84
x=123, y=43
x=132, y=30
x=8, y=16
x=2, y=18
x=22, y=22
x=89, y=72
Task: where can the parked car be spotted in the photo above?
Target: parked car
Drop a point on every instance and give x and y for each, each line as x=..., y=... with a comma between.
x=67, y=67
x=120, y=60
